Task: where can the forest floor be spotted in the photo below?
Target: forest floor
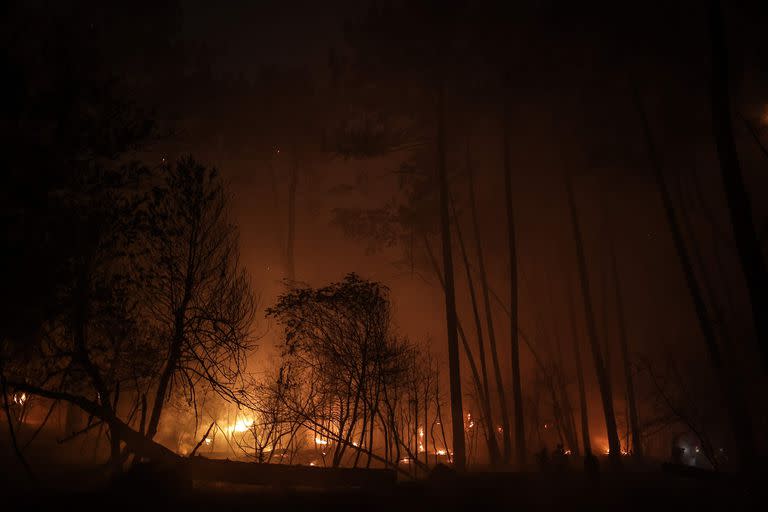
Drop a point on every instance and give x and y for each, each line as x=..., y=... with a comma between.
x=64, y=488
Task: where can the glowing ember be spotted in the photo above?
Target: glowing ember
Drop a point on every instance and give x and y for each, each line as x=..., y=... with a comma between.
x=20, y=399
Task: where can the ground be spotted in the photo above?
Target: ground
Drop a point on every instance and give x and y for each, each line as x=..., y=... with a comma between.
x=569, y=490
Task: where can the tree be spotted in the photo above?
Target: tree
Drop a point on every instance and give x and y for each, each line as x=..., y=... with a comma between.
x=614, y=445
x=334, y=340
x=739, y=203
x=154, y=296
x=199, y=300
x=728, y=380
x=634, y=422
x=517, y=393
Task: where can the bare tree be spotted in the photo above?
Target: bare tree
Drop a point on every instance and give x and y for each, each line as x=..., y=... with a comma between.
x=517, y=393
x=614, y=445
x=728, y=379
x=634, y=423
x=199, y=297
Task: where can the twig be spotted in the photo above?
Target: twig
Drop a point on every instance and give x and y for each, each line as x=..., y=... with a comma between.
x=202, y=439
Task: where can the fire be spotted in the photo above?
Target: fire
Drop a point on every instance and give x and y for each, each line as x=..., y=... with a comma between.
x=320, y=440
x=20, y=399
x=242, y=425
x=441, y=452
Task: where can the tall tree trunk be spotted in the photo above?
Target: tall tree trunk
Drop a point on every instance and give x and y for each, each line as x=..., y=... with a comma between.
x=517, y=393
x=739, y=203
x=741, y=423
x=634, y=423
x=485, y=399
x=506, y=431
x=580, y=379
x=614, y=445
x=559, y=382
x=462, y=335
x=293, y=182
x=457, y=411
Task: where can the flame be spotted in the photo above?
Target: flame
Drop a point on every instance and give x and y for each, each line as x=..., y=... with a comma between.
x=441, y=452
x=20, y=399
x=320, y=440
x=242, y=425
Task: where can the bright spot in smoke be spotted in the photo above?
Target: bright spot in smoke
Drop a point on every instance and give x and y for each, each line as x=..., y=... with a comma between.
x=208, y=440
x=319, y=440
x=242, y=425
x=441, y=452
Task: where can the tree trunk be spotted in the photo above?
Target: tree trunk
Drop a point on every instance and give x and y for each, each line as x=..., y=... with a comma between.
x=739, y=202
x=457, y=412
x=462, y=335
x=485, y=399
x=293, y=181
x=580, y=379
x=517, y=392
x=614, y=445
x=634, y=423
x=506, y=431
x=741, y=423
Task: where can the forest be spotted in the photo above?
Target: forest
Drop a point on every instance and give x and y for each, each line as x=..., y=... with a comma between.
x=384, y=254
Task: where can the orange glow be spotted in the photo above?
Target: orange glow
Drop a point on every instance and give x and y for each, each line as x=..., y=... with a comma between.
x=242, y=425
